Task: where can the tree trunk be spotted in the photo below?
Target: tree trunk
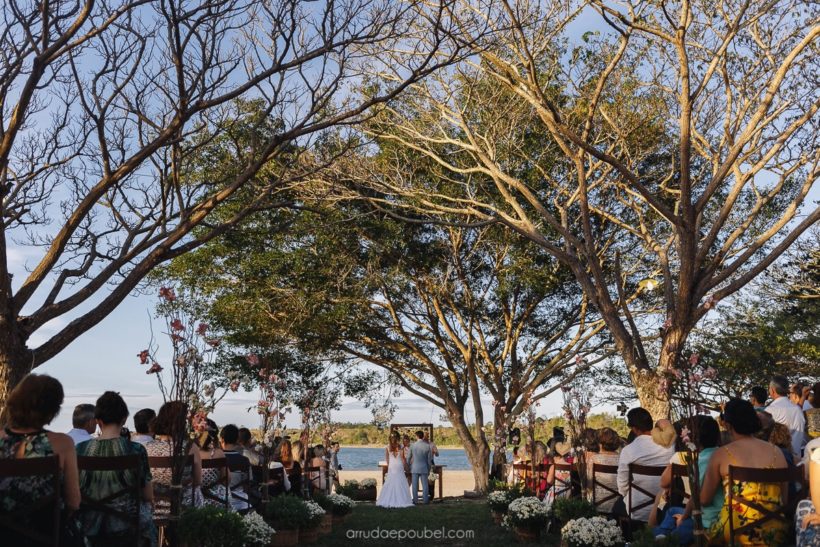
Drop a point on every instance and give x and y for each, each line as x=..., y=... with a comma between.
x=647, y=387
x=15, y=362
x=478, y=451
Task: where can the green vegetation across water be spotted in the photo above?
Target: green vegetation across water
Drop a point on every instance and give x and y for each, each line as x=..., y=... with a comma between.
x=458, y=516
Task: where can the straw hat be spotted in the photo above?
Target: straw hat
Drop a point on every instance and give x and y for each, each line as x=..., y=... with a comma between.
x=664, y=433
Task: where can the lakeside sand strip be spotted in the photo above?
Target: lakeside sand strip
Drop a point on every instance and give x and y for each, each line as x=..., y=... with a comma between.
x=455, y=482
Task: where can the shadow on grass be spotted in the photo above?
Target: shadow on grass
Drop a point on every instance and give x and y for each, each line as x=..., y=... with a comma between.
x=456, y=521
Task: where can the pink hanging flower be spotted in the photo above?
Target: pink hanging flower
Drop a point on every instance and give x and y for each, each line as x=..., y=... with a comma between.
x=252, y=359
x=579, y=360
x=709, y=374
x=176, y=324
x=281, y=384
x=667, y=323
x=566, y=388
x=199, y=422
x=167, y=293
x=143, y=355
x=234, y=386
x=709, y=303
x=201, y=329
x=213, y=342
x=208, y=390
x=694, y=358
x=155, y=368
x=663, y=384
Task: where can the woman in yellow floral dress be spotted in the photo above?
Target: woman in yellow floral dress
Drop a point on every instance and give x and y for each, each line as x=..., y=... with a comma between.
x=744, y=451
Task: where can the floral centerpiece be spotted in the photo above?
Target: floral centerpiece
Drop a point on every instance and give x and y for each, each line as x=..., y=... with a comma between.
x=527, y=516
x=591, y=532
x=257, y=532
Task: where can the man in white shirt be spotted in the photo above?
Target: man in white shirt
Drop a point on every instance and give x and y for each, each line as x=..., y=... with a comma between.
x=143, y=426
x=642, y=451
x=83, y=422
x=785, y=412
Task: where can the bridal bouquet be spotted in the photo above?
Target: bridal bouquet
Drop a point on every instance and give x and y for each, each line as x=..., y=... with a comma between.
x=591, y=532
x=528, y=512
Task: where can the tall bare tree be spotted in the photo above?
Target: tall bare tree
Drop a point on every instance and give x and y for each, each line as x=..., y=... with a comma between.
x=103, y=109
x=687, y=128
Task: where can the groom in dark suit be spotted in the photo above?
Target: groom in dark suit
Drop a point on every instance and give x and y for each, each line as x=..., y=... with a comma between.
x=421, y=460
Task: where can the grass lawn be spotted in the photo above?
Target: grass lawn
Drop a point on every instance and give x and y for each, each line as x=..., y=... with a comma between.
x=470, y=518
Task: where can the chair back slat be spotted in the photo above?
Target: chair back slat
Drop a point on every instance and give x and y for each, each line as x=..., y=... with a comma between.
x=561, y=486
x=781, y=512
x=680, y=472
x=647, y=471
x=611, y=493
x=15, y=521
x=133, y=463
x=224, y=480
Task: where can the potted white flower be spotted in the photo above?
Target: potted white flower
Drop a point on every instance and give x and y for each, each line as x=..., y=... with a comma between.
x=591, y=532
x=309, y=532
x=499, y=501
x=527, y=517
x=257, y=532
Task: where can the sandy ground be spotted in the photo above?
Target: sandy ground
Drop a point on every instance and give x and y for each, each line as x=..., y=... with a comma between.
x=455, y=482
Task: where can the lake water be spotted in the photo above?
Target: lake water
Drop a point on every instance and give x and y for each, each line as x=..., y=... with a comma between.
x=353, y=458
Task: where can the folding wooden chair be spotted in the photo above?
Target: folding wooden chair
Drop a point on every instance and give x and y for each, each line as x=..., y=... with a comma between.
x=646, y=471
x=610, y=494
x=271, y=481
x=242, y=489
x=680, y=476
x=91, y=464
x=166, y=495
x=16, y=521
x=320, y=472
x=224, y=480
x=522, y=472
x=562, y=487
x=782, y=512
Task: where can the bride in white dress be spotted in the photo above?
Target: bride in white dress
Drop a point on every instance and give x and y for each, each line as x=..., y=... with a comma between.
x=395, y=491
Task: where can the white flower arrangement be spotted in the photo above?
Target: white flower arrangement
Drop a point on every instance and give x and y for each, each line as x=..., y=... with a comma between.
x=367, y=483
x=591, y=532
x=340, y=505
x=352, y=483
x=498, y=500
x=315, y=511
x=257, y=532
x=527, y=512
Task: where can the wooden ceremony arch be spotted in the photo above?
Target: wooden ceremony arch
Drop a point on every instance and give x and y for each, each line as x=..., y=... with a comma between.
x=410, y=429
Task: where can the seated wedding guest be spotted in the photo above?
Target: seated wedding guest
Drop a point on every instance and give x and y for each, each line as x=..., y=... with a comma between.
x=559, y=482
x=785, y=412
x=589, y=440
x=111, y=413
x=799, y=395
x=297, y=465
x=664, y=433
x=758, y=397
x=813, y=413
x=169, y=424
x=643, y=451
x=542, y=457
x=234, y=456
x=677, y=520
x=213, y=489
x=278, y=463
x=609, y=443
x=32, y=405
x=744, y=451
x=513, y=475
x=142, y=426
x=807, y=520
x=248, y=446
x=83, y=423
x=318, y=479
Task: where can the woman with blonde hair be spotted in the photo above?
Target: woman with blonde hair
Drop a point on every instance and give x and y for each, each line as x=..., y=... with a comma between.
x=395, y=491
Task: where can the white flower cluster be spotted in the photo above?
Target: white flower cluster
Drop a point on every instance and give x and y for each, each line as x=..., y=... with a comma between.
x=314, y=510
x=367, y=483
x=257, y=531
x=529, y=511
x=497, y=497
x=338, y=500
x=591, y=532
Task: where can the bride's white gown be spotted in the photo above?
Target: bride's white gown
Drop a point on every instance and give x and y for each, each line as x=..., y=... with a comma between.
x=395, y=491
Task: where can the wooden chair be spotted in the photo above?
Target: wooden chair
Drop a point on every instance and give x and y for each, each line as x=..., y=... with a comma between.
x=610, y=494
x=321, y=471
x=224, y=480
x=646, y=471
x=782, y=512
x=522, y=472
x=165, y=495
x=680, y=476
x=244, y=486
x=271, y=482
x=15, y=521
x=561, y=486
x=91, y=464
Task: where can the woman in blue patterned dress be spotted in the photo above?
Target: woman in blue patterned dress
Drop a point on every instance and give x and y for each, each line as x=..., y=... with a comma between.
x=111, y=413
x=32, y=405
